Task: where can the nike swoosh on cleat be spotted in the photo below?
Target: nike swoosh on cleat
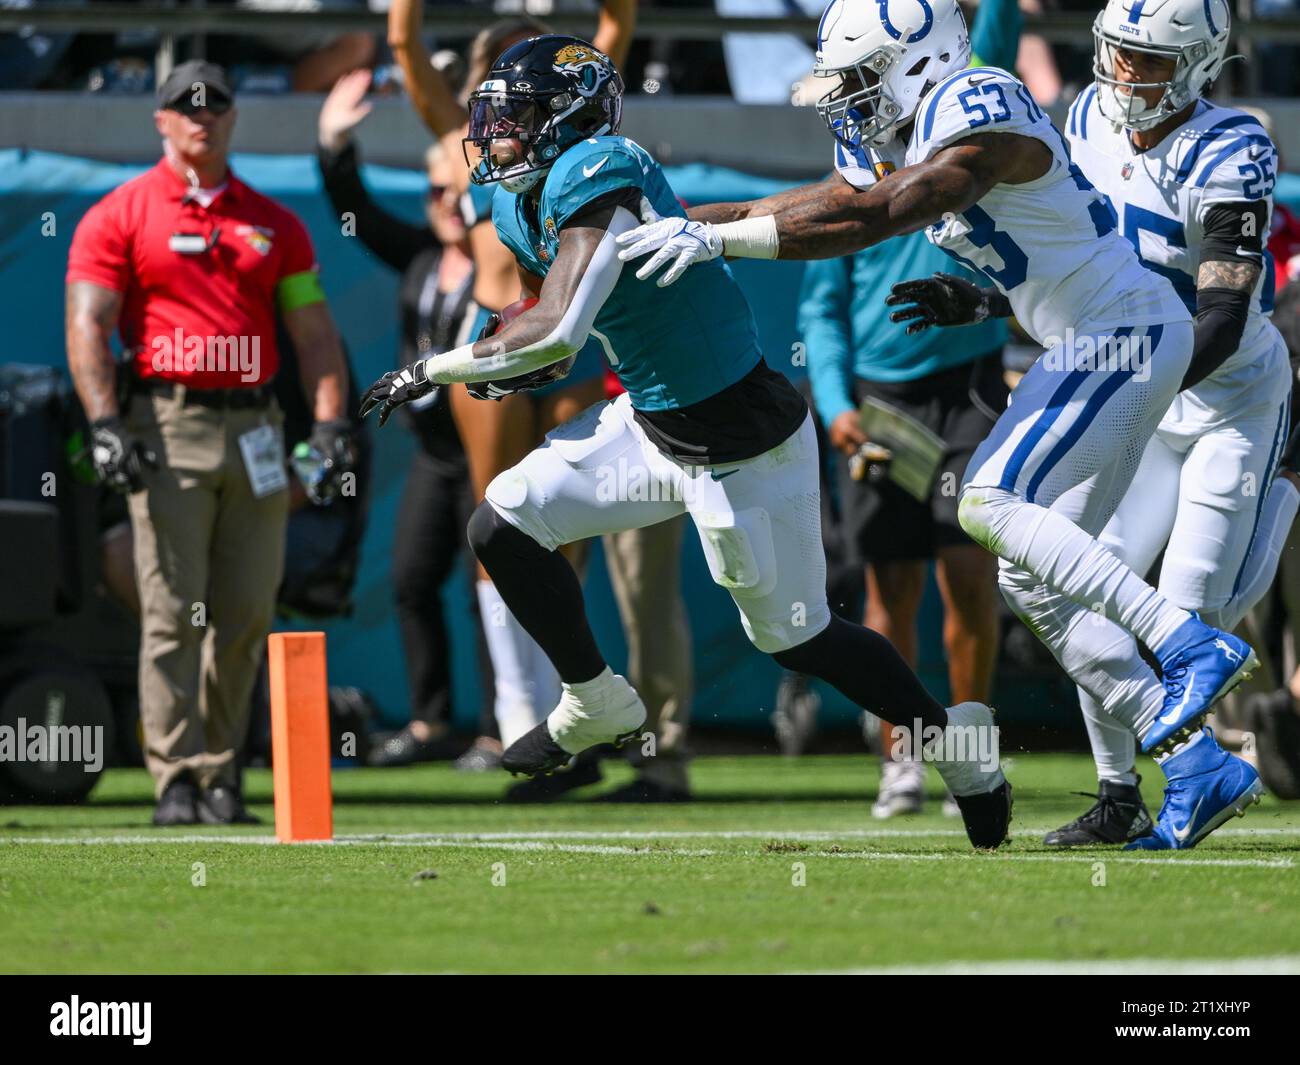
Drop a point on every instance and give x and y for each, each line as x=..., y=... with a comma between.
x=1181, y=834
x=588, y=171
x=1172, y=717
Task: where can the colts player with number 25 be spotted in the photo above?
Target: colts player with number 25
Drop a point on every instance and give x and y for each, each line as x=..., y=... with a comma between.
x=968, y=156
x=705, y=425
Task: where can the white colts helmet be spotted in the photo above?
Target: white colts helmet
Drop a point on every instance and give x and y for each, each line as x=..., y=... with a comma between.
x=885, y=54
x=1193, y=33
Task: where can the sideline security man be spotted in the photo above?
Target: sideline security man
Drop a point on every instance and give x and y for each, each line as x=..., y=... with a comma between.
x=192, y=268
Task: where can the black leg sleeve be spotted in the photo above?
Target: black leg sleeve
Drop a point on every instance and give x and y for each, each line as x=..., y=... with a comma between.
x=868, y=669
x=542, y=592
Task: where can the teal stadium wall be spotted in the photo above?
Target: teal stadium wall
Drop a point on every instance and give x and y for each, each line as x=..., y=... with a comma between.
x=735, y=683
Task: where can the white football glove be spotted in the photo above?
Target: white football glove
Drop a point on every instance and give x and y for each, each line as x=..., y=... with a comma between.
x=679, y=239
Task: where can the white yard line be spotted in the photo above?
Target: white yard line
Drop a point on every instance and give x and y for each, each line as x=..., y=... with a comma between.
x=1268, y=965
x=551, y=841
x=1172, y=862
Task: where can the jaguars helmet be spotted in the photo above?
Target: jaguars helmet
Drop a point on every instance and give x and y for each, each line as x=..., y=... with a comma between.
x=550, y=92
x=1193, y=33
x=885, y=55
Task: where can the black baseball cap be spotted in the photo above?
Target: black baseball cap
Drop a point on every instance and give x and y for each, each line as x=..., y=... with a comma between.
x=181, y=81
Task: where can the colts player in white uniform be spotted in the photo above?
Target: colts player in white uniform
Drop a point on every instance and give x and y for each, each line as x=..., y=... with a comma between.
x=990, y=178
x=1192, y=186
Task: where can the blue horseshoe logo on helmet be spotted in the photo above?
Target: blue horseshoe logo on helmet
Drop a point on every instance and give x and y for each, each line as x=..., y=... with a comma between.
x=895, y=32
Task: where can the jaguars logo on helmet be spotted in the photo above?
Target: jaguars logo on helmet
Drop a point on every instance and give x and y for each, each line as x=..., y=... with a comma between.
x=541, y=97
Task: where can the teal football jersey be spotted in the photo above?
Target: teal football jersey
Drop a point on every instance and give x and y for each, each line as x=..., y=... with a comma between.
x=670, y=347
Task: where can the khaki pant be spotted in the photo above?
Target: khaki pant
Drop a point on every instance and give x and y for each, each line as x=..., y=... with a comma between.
x=645, y=572
x=208, y=561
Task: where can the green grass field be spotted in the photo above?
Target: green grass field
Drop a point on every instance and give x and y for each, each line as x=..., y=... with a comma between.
x=408, y=886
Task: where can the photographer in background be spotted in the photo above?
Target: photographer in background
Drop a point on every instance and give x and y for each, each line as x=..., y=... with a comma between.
x=192, y=267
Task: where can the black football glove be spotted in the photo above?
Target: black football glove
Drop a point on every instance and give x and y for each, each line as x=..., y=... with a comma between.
x=323, y=458
x=395, y=388
x=119, y=458
x=945, y=299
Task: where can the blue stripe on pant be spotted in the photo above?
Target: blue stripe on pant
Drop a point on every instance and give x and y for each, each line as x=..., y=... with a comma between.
x=1060, y=400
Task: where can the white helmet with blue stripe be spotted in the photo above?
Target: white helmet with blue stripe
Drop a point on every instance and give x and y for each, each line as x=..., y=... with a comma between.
x=1192, y=33
x=885, y=54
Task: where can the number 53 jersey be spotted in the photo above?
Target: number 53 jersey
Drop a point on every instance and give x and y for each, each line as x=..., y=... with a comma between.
x=1162, y=197
x=1051, y=244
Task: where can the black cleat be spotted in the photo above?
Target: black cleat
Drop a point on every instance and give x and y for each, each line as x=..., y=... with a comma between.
x=1118, y=816
x=585, y=771
x=535, y=752
x=177, y=804
x=987, y=817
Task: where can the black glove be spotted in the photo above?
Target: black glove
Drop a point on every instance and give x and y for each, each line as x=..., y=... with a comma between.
x=395, y=388
x=945, y=299
x=118, y=456
x=323, y=458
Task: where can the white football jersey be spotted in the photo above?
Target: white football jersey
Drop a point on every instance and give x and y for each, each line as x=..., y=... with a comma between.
x=1162, y=196
x=1051, y=245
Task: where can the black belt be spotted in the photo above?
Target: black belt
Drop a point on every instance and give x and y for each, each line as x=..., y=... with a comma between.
x=220, y=398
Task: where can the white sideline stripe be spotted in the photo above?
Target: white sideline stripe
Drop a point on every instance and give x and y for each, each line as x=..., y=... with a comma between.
x=1265, y=965
x=523, y=842
x=1172, y=862
x=361, y=841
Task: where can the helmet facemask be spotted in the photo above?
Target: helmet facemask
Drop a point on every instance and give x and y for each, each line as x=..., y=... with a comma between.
x=859, y=110
x=545, y=125
x=1120, y=101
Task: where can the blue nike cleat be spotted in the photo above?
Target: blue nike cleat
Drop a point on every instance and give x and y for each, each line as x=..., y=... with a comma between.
x=1207, y=785
x=1204, y=666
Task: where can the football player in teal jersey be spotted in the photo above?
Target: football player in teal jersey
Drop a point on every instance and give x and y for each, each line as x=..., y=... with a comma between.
x=705, y=427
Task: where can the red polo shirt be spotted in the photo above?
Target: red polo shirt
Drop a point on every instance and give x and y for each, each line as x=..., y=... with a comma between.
x=206, y=320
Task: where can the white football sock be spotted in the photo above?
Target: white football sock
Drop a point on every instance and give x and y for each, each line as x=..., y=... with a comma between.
x=1095, y=653
x=512, y=651
x=1069, y=561
x=1114, y=747
x=1270, y=538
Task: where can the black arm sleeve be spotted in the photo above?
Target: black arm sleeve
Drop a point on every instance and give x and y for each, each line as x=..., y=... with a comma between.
x=392, y=239
x=1234, y=233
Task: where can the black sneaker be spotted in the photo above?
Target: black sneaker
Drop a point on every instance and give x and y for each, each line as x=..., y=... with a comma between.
x=585, y=770
x=645, y=791
x=177, y=804
x=1118, y=816
x=402, y=748
x=1272, y=717
x=222, y=804
x=483, y=755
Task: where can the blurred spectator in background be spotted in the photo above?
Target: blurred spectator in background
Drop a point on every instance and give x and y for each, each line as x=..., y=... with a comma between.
x=949, y=383
x=192, y=266
x=30, y=56
x=437, y=311
x=317, y=58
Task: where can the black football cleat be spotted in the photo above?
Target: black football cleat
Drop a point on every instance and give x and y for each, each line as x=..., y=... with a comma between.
x=987, y=817
x=535, y=753
x=1118, y=816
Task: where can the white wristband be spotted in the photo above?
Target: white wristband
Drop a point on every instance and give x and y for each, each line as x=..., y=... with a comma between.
x=750, y=238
